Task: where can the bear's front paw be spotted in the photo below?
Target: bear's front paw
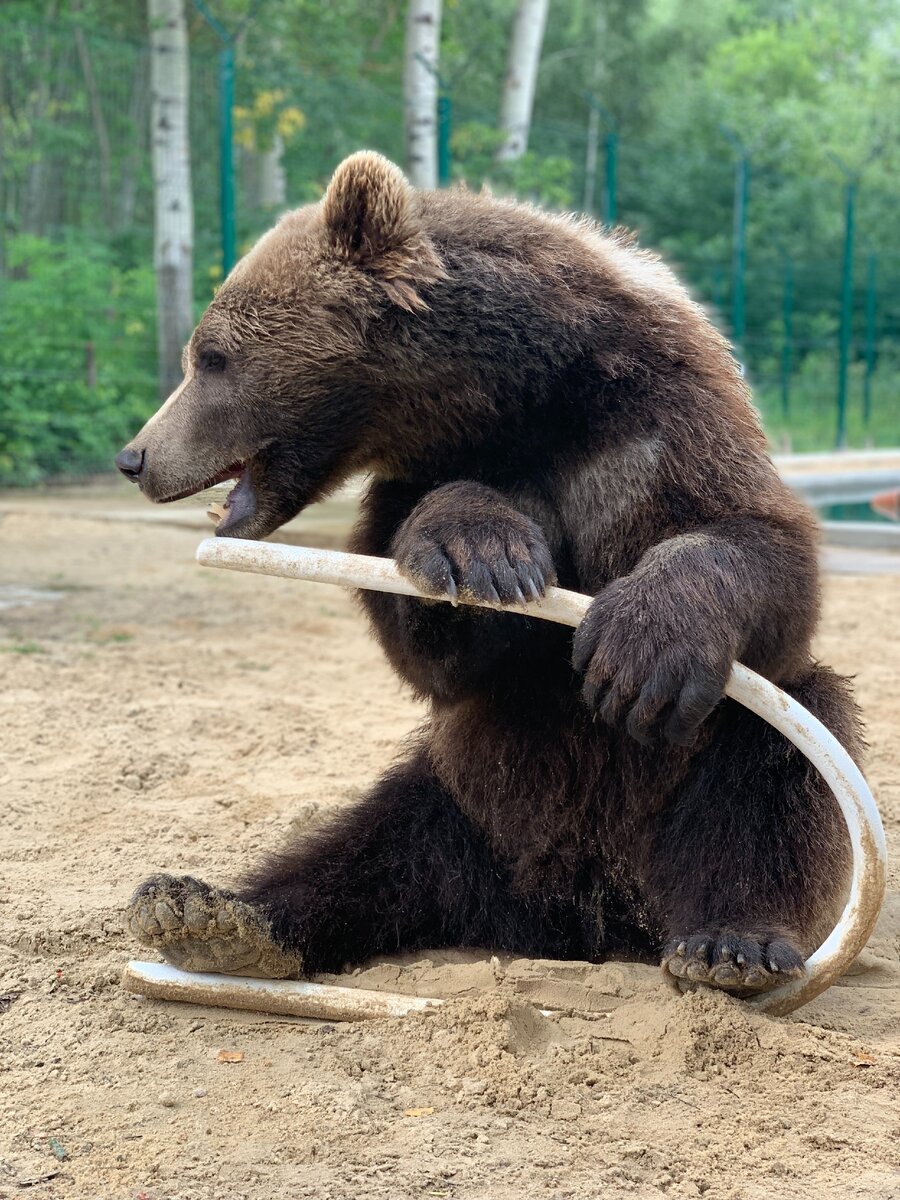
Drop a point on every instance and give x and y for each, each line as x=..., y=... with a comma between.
x=655, y=669
x=739, y=962
x=202, y=928
x=473, y=550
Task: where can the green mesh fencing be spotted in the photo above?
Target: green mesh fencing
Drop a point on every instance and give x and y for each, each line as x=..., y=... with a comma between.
x=77, y=295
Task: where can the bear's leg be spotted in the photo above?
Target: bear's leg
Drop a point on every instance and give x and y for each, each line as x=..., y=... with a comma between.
x=202, y=928
x=403, y=869
x=751, y=856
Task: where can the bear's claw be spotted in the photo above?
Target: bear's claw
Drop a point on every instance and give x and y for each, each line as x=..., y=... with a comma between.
x=733, y=962
x=462, y=539
x=201, y=928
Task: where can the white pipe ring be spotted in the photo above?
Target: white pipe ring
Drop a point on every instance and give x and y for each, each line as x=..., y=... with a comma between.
x=800, y=727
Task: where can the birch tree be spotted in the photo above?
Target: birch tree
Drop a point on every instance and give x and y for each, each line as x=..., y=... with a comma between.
x=593, y=131
x=173, y=204
x=271, y=180
x=521, y=78
x=420, y=90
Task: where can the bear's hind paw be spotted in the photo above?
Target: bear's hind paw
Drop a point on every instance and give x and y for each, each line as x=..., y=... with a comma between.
x=200, y=928
x=735, y=962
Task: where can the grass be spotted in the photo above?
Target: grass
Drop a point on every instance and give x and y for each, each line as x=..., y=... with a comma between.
x=59, y=583
x=25, y=647
x=115, y=637
x=810, y=423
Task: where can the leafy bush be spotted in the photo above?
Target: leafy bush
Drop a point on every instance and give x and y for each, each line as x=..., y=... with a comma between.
x=544, y=180
x=77, y=357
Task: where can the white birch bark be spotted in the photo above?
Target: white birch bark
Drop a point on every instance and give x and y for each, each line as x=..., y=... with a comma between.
x=173, y=203
x=597, y=75
x=271, y=182
x=521, y=78
x=420, y=90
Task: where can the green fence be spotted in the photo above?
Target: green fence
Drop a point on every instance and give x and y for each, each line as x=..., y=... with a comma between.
x=815, y=319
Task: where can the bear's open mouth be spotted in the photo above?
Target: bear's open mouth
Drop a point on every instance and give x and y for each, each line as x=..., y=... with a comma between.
x=240, y=501
x=234, y=471
x=271, y=486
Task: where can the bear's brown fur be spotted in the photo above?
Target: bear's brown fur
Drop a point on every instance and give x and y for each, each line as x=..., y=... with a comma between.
x=535, y=400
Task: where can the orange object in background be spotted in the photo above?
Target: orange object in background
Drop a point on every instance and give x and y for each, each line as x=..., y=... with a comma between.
x=887, y=504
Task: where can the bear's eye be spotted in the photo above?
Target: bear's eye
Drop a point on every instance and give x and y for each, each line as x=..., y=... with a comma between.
x=212, y=360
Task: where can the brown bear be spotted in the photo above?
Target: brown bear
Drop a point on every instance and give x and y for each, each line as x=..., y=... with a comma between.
x=534, y=400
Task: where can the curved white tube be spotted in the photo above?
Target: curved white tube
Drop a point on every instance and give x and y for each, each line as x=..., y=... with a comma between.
x=807, y=733
x=293, y=997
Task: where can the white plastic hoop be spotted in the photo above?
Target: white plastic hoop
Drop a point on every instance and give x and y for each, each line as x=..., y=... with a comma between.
x=800, y=727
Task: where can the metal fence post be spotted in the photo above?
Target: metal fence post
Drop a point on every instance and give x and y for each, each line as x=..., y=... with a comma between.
x=611, y=148
x=739, y=236
x=787, y=350
x=226, y=127
x=444, y=116
x=612, y=171
x=741, y=197
x=871, y=318
x=226, y=157
x=445, y=130
x=846, y=325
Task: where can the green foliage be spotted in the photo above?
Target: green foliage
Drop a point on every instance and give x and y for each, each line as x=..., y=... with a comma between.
x=544, y=180
x=23, y=648
x=809, y=422
x=77, y=371
x=803, y=86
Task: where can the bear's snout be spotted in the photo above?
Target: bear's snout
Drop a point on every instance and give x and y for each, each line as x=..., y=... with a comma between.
x=131, y=463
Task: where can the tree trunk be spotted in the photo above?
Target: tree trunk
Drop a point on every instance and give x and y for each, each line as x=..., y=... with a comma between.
x=173, y=204
x=101, y=131
x=137, y=118
x=35, y=191
x=521, y=78
x=420, y=89
x=269, y=178
x=597, y=80
x=271, y=184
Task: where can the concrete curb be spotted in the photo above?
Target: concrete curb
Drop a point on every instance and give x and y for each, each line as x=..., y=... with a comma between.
x=842, y=487
x=874, y=535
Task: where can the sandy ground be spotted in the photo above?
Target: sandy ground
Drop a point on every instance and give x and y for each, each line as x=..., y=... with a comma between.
x=159, y=716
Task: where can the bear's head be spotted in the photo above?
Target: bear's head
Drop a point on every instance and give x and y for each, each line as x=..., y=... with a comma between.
x=281, y=376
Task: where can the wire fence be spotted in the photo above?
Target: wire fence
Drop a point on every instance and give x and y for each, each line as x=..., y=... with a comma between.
x=815, y=315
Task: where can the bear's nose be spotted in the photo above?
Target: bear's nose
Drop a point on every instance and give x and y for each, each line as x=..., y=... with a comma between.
x=130, y=462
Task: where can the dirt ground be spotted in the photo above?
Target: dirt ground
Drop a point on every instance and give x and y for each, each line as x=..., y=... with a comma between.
x=158, y=716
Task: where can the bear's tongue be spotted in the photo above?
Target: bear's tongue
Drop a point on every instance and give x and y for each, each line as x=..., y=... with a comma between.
x=240, y=503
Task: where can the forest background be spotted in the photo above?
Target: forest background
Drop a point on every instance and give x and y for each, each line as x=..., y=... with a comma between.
x=752, y=142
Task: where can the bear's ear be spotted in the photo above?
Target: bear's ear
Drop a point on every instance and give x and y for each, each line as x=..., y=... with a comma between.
x=367, y=207
x=370, y=221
